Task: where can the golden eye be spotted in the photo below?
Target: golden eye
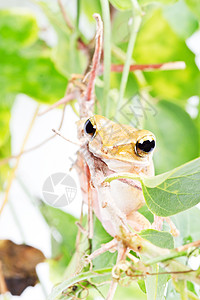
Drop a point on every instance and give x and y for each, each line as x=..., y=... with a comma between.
x=89, y=128
x=144, y=146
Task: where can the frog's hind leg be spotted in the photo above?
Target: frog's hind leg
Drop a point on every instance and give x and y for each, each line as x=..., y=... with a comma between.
x=137, y=221
x=158, y=223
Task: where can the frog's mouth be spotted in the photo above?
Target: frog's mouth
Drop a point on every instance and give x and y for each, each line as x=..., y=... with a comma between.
x=121, y=161
x=104, y=167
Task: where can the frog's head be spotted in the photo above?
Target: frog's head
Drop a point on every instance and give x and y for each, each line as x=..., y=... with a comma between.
x=118, y=144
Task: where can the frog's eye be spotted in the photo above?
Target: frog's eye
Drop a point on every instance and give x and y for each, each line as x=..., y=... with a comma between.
x=144, y=146
x=89, y=128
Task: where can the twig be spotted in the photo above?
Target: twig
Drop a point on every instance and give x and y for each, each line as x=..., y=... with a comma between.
x=7, y=159
x=175, y=65
x=66, y=18
x=89, y=94
x=13, y=171
x=81, y=228
x=107, y=54
x=187, y=246
x=62, y=136
x=64, y=100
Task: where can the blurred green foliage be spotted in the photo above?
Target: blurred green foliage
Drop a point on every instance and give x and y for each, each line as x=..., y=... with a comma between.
x=29, y=65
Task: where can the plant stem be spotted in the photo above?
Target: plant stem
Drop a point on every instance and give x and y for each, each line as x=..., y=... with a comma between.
x=165, y=257
x=134, y=31
x=78, y=3
x=183, y=290
x=65, y=16
x=107, y=55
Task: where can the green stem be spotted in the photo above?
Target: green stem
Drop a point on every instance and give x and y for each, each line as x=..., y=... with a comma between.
x=134, y=31
x=73, y=280
x=78, y=3
x=107, y=55
x=183, y=290
x=181, y=287
x=162, y=258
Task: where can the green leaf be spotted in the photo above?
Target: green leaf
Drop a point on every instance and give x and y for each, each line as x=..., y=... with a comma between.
x=89, y=7
x=13, y=22
x=178, y=14
x=26, y=67
x=102, y=237
x=146, y=213
x=171, y=292
x=177, y=139
x=158, y=238
x=158, y=43
x=66, y=55
x=144, y=2
x=5, y=151
x=174, y=191
x=5, y=138
x=194, y=5
x=142, y=286
x=155, y=285
x=126, y=4
x=4, y=126
x=131, y=292
x=63, y=238
x=121, y=4
x=58, y=289
x=188, y=224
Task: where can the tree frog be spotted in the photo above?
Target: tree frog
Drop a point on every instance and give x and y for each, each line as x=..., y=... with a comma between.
x=109, y=147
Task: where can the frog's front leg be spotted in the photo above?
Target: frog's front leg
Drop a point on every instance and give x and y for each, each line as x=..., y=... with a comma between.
x=112, y=217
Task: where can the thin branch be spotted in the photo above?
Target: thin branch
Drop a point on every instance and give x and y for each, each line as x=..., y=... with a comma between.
x=65, y=16
x=187, y=246
x=13, y=171
x=62, y=136
x=107, y=54
x=64, y=100
x=175, y=65
x=7, y=159
x=89, y=93
x=78, y=14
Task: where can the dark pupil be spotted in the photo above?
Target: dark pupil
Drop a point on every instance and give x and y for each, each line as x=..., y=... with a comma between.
x=146, y=146
x=89, y=128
